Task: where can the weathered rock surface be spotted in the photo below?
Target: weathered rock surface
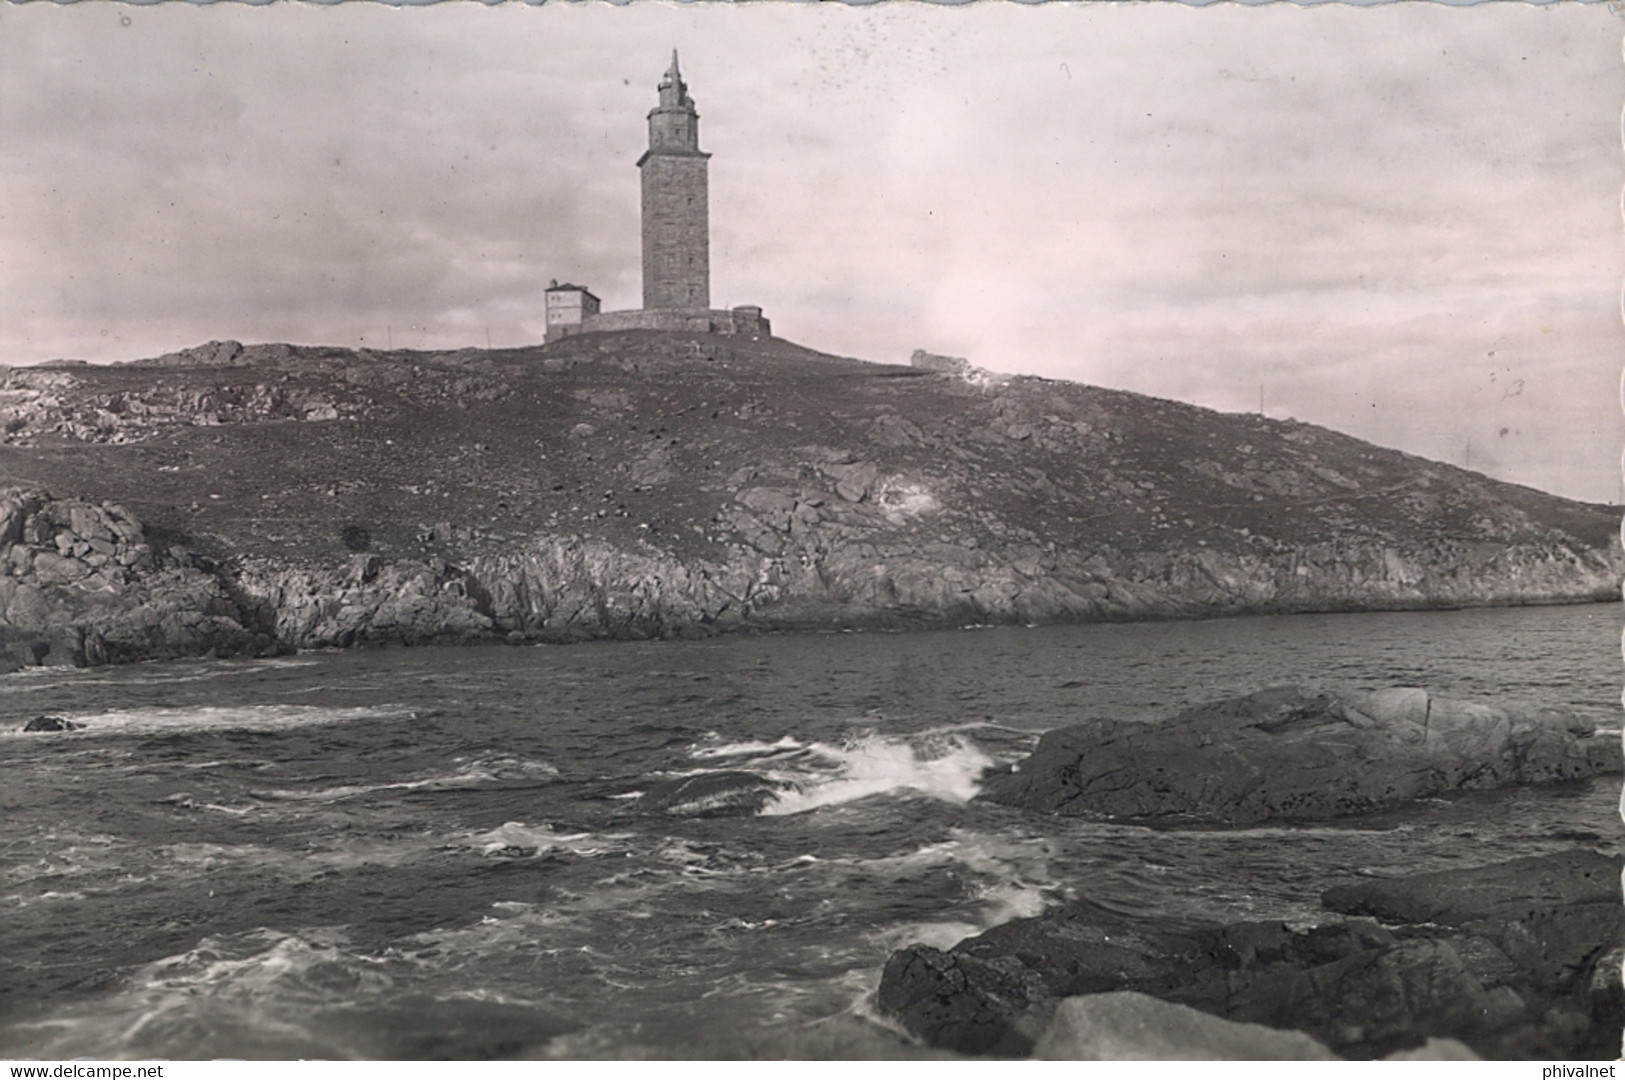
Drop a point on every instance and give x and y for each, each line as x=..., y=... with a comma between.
x=1130, y=1026
x=80, y=584
x=1553, y=918
x=1290, y=754
x=1361, y=988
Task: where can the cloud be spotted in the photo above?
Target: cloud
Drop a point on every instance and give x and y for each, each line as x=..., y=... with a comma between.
x=1181, y=201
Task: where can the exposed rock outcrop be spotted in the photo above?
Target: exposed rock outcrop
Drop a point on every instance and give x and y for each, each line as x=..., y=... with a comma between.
x=50, y=723
x=1553, y=918
x=1290, y=754
x=1361, y=988
x=365, y=601
x=80, y=584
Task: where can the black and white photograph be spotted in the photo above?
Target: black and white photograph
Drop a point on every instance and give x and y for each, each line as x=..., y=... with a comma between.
x=792, y=531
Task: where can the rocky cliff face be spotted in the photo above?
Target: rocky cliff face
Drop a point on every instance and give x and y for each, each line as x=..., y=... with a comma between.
x=644, y=485
x=82, y=585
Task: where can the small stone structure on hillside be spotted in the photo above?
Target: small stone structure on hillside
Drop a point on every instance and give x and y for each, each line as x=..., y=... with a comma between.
x=567, y=306
x=953, y=365
x=676, y=239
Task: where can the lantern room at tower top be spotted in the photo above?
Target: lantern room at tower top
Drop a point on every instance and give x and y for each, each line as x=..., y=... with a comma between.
x=676, y=238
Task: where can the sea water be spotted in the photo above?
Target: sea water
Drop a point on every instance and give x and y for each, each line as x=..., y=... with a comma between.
x=443, y=852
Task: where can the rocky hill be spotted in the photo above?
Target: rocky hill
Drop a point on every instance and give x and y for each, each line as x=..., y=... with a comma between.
x=642, y=484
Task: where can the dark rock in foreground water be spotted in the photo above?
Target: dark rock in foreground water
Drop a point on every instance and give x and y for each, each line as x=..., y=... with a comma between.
x=50, y=723
x=1289, y=754
x=1551, y=916
x=1500, y=983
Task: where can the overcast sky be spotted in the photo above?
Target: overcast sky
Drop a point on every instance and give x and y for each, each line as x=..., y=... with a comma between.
x=1400, y=222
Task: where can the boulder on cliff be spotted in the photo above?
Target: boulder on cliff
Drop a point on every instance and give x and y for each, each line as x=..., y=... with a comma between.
x=1291, y=754
x=1360, y=988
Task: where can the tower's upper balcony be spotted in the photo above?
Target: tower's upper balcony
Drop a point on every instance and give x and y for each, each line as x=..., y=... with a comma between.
x=674, y=124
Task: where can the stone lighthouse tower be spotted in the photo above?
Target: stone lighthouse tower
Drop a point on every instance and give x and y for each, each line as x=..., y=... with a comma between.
x=676, y=240
x=676, y=222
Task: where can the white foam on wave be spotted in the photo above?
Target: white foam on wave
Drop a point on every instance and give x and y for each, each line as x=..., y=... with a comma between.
x=515, y=838
x=749, y=749
x=1024, y=861
x=49, y=896
x=165, y=673
x=59, y=858
x=947, y=768
x=27, y=680
x=187, y=802
x=945, y=762
x=1011, y=879
x=204, y=718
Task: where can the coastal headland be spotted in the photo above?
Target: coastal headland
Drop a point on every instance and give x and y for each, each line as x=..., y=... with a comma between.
x=233, y=499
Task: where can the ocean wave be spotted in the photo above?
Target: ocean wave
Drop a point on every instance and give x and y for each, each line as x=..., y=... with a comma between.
x=186, y=801
x=65, y=856
x=206, y=718
x=468, y=774
x=342, y=854
x=46, y=897
x=1008, y=878
x=749, y=749
x=948, y=768
x=515, y=839
x=30, y=680
x=946, y=762
x=261, y=994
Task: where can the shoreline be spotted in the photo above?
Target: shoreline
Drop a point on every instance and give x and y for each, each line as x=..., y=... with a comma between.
x=45, y=647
